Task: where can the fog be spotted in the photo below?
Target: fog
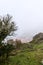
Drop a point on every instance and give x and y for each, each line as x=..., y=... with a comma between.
x=28, y=15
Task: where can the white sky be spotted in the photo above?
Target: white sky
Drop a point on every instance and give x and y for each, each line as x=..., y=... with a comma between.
x=28, y=15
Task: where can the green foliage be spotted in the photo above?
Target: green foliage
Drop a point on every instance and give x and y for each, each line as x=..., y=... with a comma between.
x=27, y=58
x=7, y=27
x=30, y=54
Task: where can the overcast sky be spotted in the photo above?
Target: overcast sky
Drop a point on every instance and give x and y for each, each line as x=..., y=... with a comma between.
x=28, y=15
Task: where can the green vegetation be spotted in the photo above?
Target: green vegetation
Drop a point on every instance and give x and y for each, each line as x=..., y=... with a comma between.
x=20, y=53
x=30, y=54
x=27, y=58
x=7, y=27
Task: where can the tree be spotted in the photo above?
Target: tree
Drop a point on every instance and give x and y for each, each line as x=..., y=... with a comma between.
x=18, y=44
x=7, y=27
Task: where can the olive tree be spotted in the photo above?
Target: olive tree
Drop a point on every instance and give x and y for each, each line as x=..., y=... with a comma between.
x=7, y=27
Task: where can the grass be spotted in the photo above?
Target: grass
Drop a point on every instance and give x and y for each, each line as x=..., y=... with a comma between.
x=38, y=46
x=28, y=57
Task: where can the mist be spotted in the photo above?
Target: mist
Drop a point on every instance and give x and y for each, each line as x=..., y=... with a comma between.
x=27, y=14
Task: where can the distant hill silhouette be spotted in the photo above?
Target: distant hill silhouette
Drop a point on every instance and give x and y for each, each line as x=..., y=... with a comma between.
x=38, y=38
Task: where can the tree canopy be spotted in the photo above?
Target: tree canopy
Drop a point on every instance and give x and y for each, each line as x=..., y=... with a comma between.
x=7, y=27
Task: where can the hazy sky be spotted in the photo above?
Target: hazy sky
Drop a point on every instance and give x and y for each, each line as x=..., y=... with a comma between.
x=28, y=15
